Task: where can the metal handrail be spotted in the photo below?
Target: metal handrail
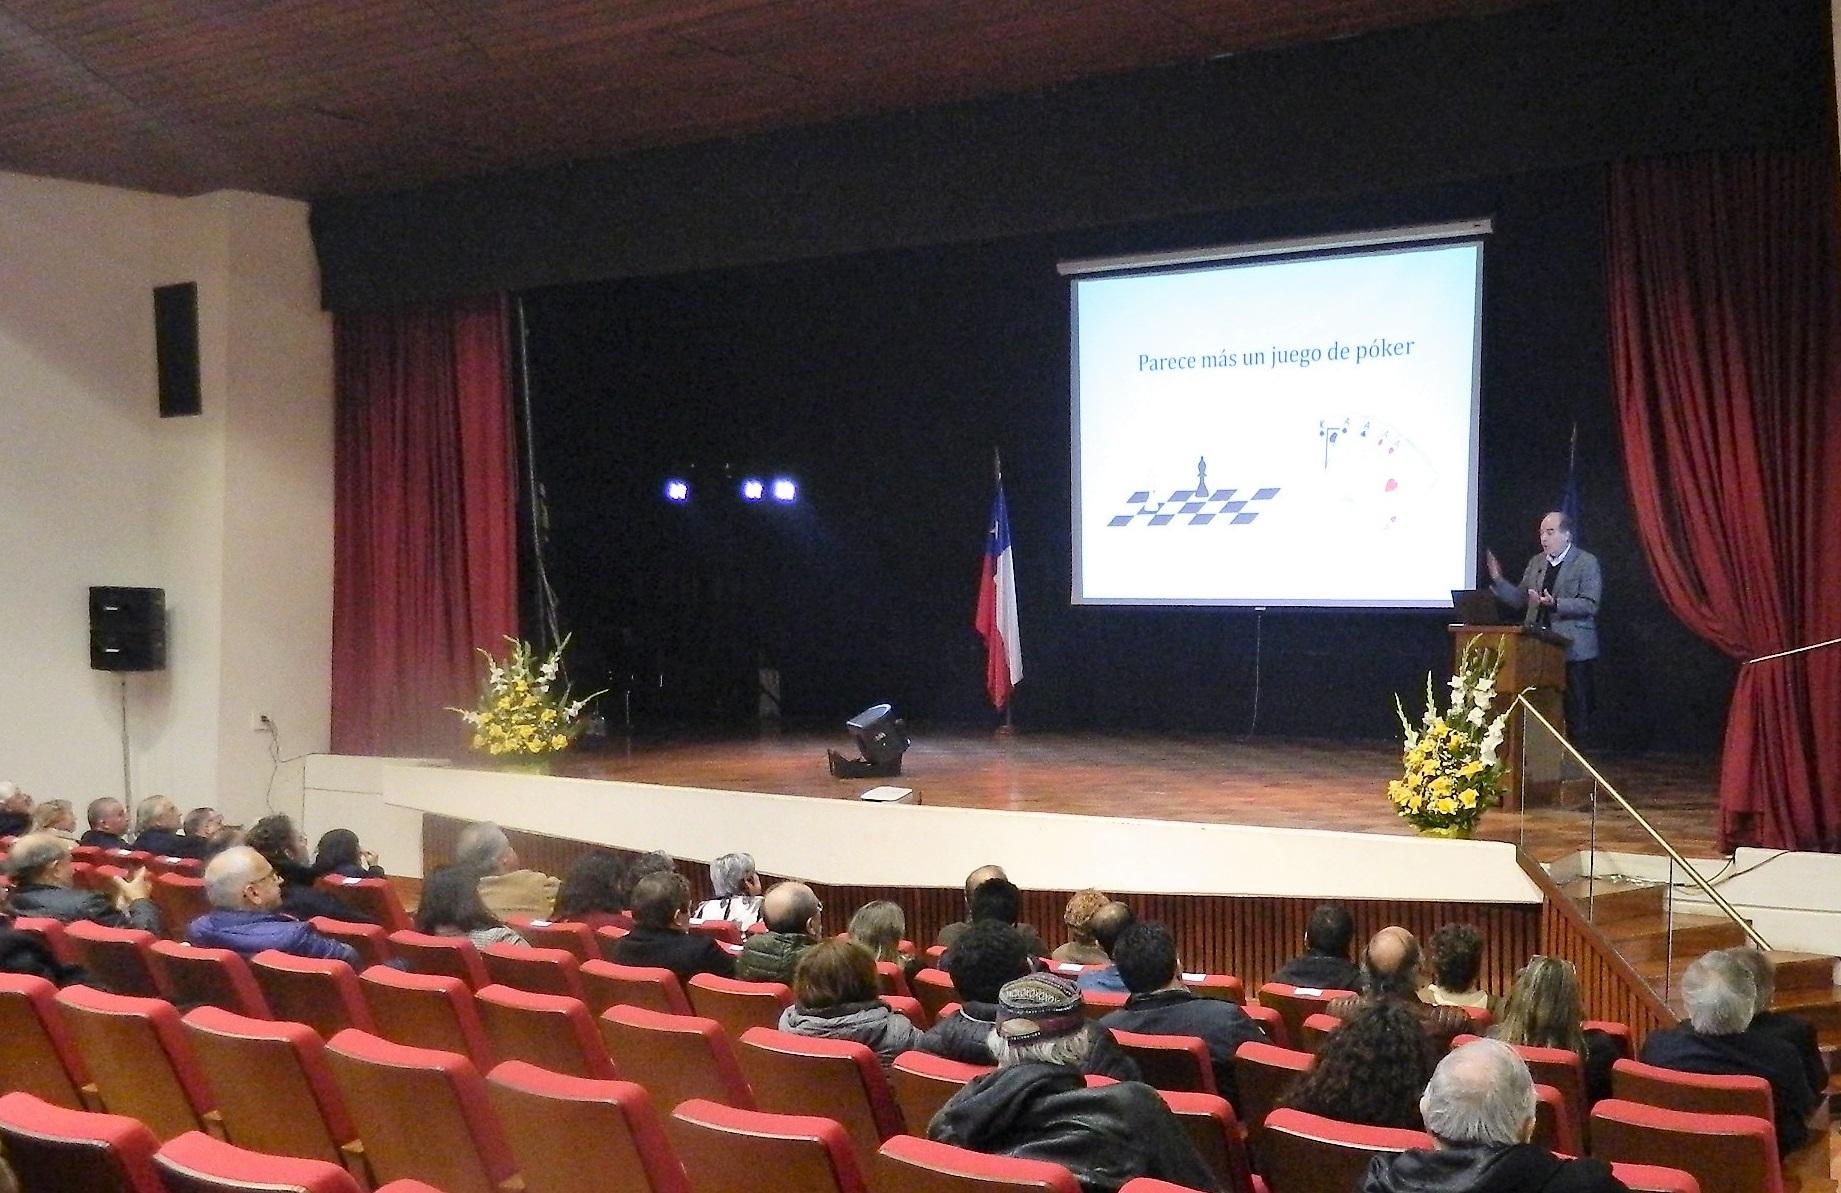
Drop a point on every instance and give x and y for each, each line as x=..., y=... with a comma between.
x=1718, y=899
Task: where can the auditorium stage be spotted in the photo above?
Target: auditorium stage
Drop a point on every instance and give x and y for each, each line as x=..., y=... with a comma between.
x=1334, y=785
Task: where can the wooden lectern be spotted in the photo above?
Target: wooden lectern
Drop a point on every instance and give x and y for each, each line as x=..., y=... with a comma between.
x=1528, y=661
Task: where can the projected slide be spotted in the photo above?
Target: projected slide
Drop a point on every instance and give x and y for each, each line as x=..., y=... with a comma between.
x=1294, y=432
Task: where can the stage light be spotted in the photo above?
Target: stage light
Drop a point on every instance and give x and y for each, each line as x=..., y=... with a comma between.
x=784, y=491
x=677, y=490
x=883, y=739
x=752, y=489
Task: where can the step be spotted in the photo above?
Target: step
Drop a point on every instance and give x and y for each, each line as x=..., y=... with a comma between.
x=1609, y=901
x=1652, y=941
x=1803, y=971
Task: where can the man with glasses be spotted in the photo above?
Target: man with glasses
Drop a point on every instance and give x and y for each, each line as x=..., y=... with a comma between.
x=245, y=895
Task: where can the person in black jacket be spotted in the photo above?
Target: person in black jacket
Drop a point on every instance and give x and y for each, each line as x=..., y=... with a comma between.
x=15, y=810
x=661, y=937
x=44, y=885
x=157, y=831
x=340, y=853
x=1479, y=1110
x=277, y=840
x=1037, y=1106
x=1160, y=1005
x=1798, y=1033
x=108, y=820
x=985, y=956
x=1325, y=963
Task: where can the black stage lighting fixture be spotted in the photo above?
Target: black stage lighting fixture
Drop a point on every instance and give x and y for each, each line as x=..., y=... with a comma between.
x=881, y=737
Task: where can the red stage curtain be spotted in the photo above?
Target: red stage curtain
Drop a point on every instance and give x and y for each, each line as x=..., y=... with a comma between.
x=425, y=546
x=1723, y=338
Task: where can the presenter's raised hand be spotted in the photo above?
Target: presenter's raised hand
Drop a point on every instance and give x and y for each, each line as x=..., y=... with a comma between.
x=1493, y=564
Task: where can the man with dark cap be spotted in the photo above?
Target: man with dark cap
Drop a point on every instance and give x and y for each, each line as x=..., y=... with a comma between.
x=1038, y=1106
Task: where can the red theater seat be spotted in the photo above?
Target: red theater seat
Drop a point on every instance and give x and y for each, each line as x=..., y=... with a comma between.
x=1315, y=1029
x=934, y=989
x=197, y=1163
x=140, y=1059
x=921, y=1083
x=675, y=1057
x=1216, y=985
x=906, y=1164
x=273, y=1089
x=724, y=1150
x=1699, y=1093
x=1725, y=1153
x=608, y=985
x=1295, y=1003
x=578, y=940
x=540, y=971
x=1307, y=1153
x=422, y=1010
x=423, y=1115
x=1178, y=1063
x=1209, y=1122
x=1264, y=1074
x=453, y=956
x=322, y=994
x=51, y=932
x=197, y=977
x=574, y=1135
x=122, y=958
x=374, y=897
x=370, y=941
x=839, y=1079
x=891, y=980
x=551, y=1031
x=738, y=1005
x=53, y=1148
x=180, y=899
x=1272, y=1023
x=39, y=1057
x=724, y=931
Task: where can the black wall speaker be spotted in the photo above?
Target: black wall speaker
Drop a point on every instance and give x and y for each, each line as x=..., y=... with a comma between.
x=127, y=629
x=175, y=341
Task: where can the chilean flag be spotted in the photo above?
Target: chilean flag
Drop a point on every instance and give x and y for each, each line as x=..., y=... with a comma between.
x=996, y=617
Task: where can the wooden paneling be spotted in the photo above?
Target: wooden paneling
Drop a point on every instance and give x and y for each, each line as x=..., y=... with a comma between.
x=318, y=97
x=1248, y=937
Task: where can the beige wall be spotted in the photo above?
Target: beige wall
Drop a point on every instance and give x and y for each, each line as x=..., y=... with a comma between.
x=229, y=511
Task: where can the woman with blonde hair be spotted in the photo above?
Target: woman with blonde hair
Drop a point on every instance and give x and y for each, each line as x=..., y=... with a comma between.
x=1543, y=1010
x=881, y=927
x=57, y=817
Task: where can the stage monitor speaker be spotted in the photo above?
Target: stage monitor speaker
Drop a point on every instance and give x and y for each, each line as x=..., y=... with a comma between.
x=127, y=629
x=883, y=739
x=175, y=339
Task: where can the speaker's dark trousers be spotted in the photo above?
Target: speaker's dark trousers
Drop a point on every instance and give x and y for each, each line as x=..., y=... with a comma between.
x=1581, y=700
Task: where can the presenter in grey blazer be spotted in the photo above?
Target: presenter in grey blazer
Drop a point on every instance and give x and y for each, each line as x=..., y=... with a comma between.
x=1561, y=590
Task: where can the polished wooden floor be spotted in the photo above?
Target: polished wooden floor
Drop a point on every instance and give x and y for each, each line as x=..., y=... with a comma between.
x=1282, y=783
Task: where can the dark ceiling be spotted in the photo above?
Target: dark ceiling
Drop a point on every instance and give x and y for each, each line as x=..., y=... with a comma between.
x=311, y=98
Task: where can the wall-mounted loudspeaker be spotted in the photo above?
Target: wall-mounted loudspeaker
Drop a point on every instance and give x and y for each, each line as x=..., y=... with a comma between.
x=127, y=629
x=175, y=343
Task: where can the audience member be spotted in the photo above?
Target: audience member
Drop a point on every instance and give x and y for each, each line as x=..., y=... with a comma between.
x=1107, y=923
x=1798, y=1033
x=738, y=892
x=835, y=998
x=505, y=888
x=339, y=853
x=108, y=820
x=44, y=879
x=655, y=862
x=1081, y=948
x=285, y=849
x=1456, y=954
x=1720, y=996
x=1038, y=1106
x=156, y=830
x=661, y=936
x=882, y=928
x=790, y=910
x=1390, y=973
x=1371, y=1070
x=1544, y=1010
x=985, y=957
x=15, y=810
x=246, y=917
x=451, y=906
x=1324, y=964
x=202, y=822
x=1160, y=1005
x=57, y=817
x=995, y=907
x=591, y=893
x=1479, y=1110
x=27, y=954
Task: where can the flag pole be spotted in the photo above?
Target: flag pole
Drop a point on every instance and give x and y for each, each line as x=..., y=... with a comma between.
x=1008, y=728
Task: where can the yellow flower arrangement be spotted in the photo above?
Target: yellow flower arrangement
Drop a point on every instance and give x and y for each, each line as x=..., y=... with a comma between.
x=1451, y=770
x=521, y=714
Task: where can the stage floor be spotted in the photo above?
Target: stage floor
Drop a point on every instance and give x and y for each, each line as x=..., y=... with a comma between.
x=1279, y=783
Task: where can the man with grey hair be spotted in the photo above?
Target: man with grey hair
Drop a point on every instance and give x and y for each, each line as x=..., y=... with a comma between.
x=156, y=830
x=245, y=895
x=1037, y=1104
x=1479, y=1110
x=504, y=888
x=44, y=884
x=738, y=892
x=1721, y=995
